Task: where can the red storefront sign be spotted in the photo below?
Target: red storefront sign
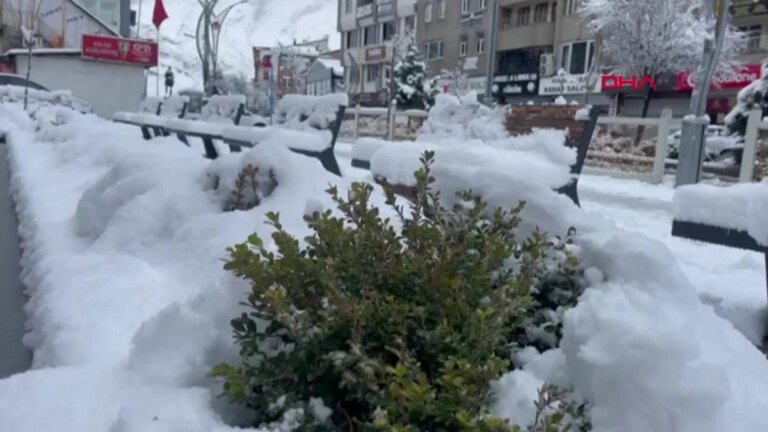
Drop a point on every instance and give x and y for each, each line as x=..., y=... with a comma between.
x=112, y=49
x=722, y=81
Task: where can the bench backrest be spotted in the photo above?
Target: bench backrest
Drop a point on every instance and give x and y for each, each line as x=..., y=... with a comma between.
x=577, y=120
x=223, y=109
x=151, y=105
x=174, y=106
x=303, y=112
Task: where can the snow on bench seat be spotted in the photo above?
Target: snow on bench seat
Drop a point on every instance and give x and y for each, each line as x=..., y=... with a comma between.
x=194, y=127
x=516, y=159
x=742, y=207
x=251, y=136
x=364, y=149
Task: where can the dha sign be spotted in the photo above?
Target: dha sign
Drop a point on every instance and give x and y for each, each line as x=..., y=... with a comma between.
x=616, y=82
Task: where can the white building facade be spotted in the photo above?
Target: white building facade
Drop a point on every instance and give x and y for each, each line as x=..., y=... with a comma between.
x=367, y=29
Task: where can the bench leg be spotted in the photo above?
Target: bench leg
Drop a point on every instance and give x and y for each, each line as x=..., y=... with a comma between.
x=235, y=148
x=182, y=138
x=210, y=150
x=571, y=191
x=158, y=131
x=145, y=133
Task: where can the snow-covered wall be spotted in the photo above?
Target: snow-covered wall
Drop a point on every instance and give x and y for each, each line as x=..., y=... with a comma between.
x=107, y=87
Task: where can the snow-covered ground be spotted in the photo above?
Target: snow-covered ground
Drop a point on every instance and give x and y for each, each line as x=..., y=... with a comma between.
x=130, y=306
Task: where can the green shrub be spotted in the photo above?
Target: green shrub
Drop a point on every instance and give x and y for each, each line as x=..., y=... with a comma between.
x=391, y=328
x=251, y=187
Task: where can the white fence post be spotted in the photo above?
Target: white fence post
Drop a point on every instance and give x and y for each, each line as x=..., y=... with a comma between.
x=391, y=131
x=660, y=157
x=357, y=123
x=750, y=146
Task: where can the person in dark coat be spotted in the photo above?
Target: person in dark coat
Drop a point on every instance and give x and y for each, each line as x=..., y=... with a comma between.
x=169, y=82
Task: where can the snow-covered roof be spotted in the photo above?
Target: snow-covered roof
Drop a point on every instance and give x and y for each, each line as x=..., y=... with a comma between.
x=332, y=64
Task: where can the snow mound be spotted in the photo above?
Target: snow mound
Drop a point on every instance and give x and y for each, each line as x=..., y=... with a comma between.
x=10, y=94
x=222, y=108
x=303, y=112
x=311, y=141
x=462, y=118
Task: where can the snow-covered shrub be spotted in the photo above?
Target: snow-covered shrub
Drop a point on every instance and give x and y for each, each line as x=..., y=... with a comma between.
x=370, y=326
x=463, y=118
x=755, y=95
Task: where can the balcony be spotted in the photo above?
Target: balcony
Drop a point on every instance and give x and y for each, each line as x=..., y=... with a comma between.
x=385, y=7
x=514, y=37
x=504, y=3
x=364, y=11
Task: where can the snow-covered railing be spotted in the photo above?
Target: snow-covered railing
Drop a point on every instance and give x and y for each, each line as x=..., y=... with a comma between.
x=664, y=123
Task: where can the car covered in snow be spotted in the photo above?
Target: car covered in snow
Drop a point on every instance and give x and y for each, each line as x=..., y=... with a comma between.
x=718, y=145
x=18, y=80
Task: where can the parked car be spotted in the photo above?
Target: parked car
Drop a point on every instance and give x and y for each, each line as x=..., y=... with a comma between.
x=18, y=80
x=717, y=145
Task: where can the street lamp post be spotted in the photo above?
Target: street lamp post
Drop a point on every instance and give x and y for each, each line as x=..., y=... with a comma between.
x=207, y=46
x=692, y=140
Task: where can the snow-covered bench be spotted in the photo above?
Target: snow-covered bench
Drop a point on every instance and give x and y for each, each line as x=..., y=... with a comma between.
x=150, y=106
x=578, y=124
x=154, y=113
x=219, y=112
x=307, y=125
x=732, y=216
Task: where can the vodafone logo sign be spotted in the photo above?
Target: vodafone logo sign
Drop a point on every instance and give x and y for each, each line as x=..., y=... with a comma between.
x=141, y=49
x=729, y=81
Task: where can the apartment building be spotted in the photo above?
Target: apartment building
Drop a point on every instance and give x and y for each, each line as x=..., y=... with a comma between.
x=453, y=36
x=538, y=38
x=368, y=30
x=535, y=40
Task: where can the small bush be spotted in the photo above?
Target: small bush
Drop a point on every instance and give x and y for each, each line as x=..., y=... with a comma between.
x=250, y=188
x=371, y=327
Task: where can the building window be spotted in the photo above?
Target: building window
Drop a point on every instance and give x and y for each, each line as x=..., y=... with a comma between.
x=572, y=6
x=464, y=7
x=351, y=38
x=553, y=12
x=348, y=6
x=369, y=36
x=463, y=46
x=428, y=12
x=387, y=73
x=523, y=16
x=440, y=9
x=483, y=4
x=541, y=13
x=480, y=43
x=577, y=57
x=372, y=72
x=388, y=31
x=753, y=35
x=409, y=24
x=433, y=50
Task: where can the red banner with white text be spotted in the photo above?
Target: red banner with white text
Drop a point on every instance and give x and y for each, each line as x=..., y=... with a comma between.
x=113, y=49
x=734, y=80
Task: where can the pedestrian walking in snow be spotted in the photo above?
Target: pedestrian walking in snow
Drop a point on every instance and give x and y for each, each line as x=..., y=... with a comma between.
x=169, y=82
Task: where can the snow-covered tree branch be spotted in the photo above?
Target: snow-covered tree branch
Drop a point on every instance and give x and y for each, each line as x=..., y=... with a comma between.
x=656, y=36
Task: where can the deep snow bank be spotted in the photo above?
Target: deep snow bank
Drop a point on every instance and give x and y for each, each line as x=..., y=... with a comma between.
x=130, y=306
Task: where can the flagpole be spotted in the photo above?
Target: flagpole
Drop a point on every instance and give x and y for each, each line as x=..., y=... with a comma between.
x=157, y=83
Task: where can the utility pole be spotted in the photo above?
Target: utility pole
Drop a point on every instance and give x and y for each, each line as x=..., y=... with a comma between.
x=692, y=141
x=491, y=64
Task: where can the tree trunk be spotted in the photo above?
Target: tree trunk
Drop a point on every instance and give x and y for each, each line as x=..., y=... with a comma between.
x=643, y=114
x=29, y=72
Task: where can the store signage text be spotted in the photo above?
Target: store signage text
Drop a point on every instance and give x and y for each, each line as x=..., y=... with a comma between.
x=617, y=82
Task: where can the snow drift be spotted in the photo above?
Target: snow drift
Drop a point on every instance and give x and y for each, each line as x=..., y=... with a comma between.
x=130, y=306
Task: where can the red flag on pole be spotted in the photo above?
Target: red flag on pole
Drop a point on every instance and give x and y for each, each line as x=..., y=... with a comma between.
x=159, y=14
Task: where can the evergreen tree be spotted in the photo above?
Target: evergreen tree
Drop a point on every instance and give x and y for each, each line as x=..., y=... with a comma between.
x=752, y=96
x=413, y=89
